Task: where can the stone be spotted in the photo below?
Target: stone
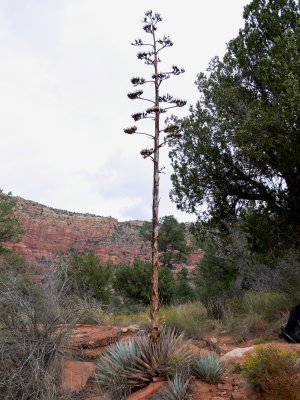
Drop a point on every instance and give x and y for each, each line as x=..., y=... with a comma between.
x=198, y=351
x=84, y=336
x=236, y=354
x=202, y=387
x=219, y=398
x=130, y=329
x=238, y=396
x=75, y=374
x=148, y=391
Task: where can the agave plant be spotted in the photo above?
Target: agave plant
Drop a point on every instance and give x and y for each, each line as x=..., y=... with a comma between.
x=161, y=359
x=113, y=367
x=131, y=365
x=209, y=368
x=177, y=388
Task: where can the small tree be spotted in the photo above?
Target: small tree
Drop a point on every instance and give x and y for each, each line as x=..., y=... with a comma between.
x=172, y=243
x=151, y=57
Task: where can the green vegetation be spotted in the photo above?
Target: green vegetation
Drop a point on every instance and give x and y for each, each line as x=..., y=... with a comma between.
x=10, y=230
x=172, y=244
x=240, y=151
x=128, y=366
x=133, y=282
x=273, y=371
x=190, y=318
x=88, y=277
x=209, y=368
x=177, y=388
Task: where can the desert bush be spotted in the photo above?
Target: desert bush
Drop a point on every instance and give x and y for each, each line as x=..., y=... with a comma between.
x=255, y=314
x=31, y=337
x=209, y=368
x=268, y=305
x=189, y=318
x=129, y=366
x=273, y=371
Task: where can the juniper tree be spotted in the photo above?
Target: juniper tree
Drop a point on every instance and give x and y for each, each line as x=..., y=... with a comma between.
x=150, y=55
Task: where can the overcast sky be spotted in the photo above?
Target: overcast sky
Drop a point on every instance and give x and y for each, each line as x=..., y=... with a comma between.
x=65, y=70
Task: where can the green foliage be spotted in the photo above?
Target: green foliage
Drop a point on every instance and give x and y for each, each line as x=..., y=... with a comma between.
x=273, y=371
x=113, y=369
x=88, y=277
x=268, y=305
x=227, y=264
x=209, y=368
x=133, y=282
x=177, y=388
x=256, y=314
x=183, y=290
x=189, y=318
x=229, y=268
x=9, y=225
x=10, y=230
x=171, y=242
x=241, y=144
x=128, y=366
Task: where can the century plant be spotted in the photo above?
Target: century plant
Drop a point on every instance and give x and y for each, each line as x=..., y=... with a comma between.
x=128, y=366
x=150, y=56
x=112, y=372
x=209, y=368
x=177, y=388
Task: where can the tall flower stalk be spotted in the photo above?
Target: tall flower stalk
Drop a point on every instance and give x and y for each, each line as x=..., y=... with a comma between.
x=159, y=104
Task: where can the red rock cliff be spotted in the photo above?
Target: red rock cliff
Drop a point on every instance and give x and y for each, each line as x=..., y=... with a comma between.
x=51, y=234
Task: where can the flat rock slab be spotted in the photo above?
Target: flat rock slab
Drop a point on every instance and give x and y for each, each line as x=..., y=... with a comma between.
x=238, y=355
x=148, y=391
x=91, y=336
x=75, y=374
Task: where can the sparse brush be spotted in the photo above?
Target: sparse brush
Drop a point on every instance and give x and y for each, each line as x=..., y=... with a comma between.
x=190, y=318
x=273, y=371
x=31, y=336
x=209, y=368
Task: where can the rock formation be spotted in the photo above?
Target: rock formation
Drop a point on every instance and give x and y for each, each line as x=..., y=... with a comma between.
x=52, y=234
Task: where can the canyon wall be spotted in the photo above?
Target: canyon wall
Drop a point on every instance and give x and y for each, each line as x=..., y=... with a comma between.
x=51, y=234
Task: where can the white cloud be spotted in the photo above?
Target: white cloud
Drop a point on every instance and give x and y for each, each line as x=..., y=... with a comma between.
x=65, y=69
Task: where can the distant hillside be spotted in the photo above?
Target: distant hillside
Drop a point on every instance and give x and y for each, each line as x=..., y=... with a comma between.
x=51, y=234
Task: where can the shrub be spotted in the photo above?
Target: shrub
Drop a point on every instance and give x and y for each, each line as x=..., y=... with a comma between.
x=268, y=305
x=273, y=371
x=209, y=368
x=189, y=318
x=88, y=277
x=30, y=340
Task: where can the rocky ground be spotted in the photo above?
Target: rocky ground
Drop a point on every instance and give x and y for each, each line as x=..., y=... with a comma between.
x=85, y=343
